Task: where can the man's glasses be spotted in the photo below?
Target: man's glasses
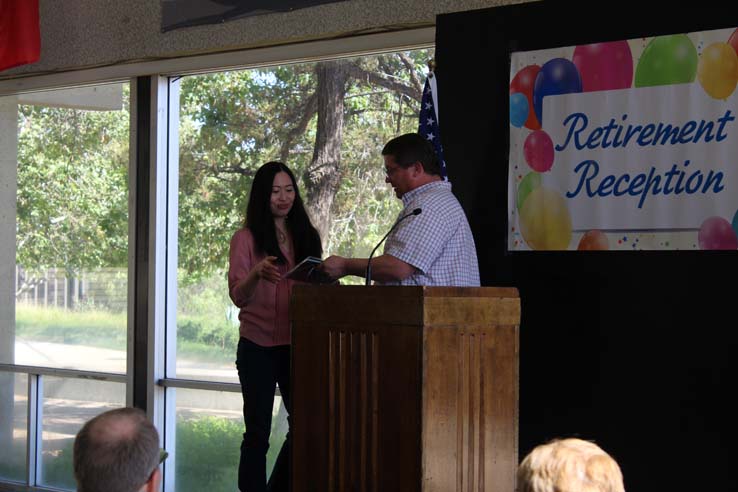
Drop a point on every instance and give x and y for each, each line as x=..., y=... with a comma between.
x=389, y=171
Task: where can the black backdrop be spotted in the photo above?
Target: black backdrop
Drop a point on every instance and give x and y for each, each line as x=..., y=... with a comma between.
x=634, y=350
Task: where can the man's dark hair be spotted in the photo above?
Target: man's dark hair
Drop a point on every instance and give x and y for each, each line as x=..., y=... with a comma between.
x=117, y=451
x=411, y=148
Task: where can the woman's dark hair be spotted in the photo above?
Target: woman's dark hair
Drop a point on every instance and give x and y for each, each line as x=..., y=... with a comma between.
x=260, y=221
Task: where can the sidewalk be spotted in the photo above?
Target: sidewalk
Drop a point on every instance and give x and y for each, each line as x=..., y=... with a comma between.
x=84, y=358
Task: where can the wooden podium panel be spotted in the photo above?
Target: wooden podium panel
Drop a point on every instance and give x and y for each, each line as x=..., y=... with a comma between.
x=404, y=388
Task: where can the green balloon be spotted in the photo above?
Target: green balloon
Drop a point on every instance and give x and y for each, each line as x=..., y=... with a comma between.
x=530, y=182
x=667, y=60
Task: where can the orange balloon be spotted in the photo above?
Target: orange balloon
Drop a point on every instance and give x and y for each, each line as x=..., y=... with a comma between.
x=594, y=240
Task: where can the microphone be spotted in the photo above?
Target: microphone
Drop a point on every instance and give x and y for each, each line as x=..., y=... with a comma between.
x=369, y=261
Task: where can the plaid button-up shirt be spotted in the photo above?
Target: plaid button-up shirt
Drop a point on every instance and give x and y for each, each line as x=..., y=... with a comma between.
x=438, y=242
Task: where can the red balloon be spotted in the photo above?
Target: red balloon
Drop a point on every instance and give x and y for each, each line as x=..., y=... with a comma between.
x=523, y=82
x=538, y=150
x=717, y=233
x=733, y=41
x=604, y=66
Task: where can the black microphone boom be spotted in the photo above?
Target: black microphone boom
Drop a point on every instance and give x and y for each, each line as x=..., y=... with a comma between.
x=368, y=274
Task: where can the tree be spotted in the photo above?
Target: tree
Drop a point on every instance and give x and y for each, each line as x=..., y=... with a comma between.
x=327, y=120
x=72, y=205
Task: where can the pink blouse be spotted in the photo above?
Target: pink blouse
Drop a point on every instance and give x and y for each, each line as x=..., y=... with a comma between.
x=264, y=315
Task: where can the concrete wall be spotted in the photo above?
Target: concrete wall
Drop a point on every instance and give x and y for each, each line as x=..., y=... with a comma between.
x=78, y=34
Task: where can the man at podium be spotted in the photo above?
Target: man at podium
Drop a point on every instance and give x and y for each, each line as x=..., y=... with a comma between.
x=431, y=242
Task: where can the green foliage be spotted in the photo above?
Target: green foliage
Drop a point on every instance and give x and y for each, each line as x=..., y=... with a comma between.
x=208, y=451
x=58, y=469
x=207, y=454
x=72, y=188
x=207, y=322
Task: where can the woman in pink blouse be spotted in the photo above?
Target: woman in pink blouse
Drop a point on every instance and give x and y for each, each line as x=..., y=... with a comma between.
x=277, y=233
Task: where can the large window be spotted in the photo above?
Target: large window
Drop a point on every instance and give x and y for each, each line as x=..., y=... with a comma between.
x=64, y=250
x=328, y=122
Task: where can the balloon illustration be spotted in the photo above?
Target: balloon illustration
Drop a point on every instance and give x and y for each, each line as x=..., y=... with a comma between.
x=594, y=240
x=733, y=41
x=717, y=233
x=544, y=220
x=518, y=109
x=530, y=182
x=718, y=70
x=523, y=83
x=667, y=60
x=735, y=220
x=539, y=151
x=604, y=66
x=557, y=76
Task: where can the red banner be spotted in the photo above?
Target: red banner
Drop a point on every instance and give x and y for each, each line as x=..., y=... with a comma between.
x=20, y=39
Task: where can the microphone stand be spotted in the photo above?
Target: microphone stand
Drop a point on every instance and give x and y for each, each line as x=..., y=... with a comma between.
x=368, y=274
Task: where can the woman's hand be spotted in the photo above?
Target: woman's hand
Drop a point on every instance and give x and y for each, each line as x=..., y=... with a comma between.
x=266, y=269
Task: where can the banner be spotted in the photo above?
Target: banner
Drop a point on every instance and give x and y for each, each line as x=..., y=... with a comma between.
x=20, y=39
x=625, y=145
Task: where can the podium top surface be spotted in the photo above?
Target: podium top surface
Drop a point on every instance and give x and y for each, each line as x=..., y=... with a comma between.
x=405, y=291
x=405, y=305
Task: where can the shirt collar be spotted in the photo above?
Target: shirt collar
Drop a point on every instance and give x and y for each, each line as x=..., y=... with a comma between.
x=433, y=185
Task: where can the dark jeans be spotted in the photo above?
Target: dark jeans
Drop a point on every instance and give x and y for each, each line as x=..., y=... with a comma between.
x=260, y=369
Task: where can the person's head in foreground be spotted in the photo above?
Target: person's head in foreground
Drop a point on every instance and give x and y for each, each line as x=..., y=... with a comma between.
x=117, y=451
x=569, y=465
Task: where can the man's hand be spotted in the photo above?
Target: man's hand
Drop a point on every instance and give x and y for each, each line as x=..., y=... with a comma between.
x=267, y=270
x=334, y=267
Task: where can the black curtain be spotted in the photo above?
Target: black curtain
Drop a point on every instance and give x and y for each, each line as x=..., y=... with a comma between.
x=634, y=350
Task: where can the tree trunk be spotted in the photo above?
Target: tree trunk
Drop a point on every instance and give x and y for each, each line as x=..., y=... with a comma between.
x=324, y=173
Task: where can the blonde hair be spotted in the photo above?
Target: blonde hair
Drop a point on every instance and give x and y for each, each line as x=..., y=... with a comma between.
x=569, y=465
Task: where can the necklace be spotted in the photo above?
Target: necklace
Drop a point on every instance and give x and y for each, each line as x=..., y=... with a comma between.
x=281, y=236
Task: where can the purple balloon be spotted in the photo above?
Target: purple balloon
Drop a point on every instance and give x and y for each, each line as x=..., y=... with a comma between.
x=717, y=233
x=604, y=66
x=557, y=76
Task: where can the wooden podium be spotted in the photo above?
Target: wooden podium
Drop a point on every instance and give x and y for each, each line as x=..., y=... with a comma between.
x=404, y=389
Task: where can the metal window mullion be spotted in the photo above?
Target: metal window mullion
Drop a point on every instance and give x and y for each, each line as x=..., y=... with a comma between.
x=143, y=256
x=169, y=90
x=34, y=432
x=63, y=373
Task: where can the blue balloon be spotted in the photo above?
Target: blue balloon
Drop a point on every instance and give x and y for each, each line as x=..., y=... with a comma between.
x=557, y=76
x=735, y=222
x=518, y=109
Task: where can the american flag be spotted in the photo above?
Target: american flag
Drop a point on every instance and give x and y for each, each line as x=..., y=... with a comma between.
x=428, y=126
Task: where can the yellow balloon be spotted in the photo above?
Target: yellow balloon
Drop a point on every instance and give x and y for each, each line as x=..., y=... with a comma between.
x=545, y=222
x=718, y=70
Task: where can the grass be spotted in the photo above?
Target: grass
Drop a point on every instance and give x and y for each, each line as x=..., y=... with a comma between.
x=89, y=327
x=103, y=329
